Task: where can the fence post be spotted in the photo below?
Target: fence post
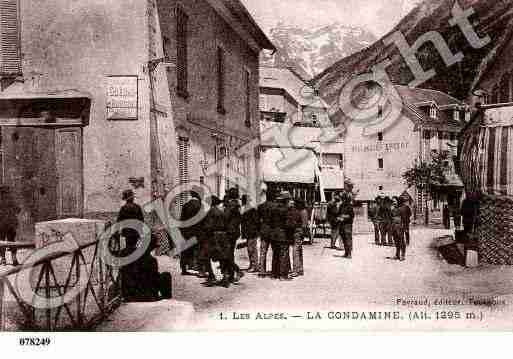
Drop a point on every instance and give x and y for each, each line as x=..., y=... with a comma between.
x=79, y=296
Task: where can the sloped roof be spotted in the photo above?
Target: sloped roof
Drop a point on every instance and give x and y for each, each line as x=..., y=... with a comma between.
x=286, y=78
x=239, y=11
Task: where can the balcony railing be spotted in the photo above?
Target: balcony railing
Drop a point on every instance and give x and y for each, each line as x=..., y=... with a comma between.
x=93, y=288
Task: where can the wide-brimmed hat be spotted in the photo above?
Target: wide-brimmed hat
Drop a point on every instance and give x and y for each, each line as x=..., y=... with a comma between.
x=128, y=194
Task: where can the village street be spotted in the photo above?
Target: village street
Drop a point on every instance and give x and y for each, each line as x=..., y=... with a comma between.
x=370, y=282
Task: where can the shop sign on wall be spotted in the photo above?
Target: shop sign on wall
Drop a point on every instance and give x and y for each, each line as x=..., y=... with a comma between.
x=122, y=97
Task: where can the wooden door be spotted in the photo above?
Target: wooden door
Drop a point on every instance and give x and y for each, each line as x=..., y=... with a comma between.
x=29, y=170
x=68, y=148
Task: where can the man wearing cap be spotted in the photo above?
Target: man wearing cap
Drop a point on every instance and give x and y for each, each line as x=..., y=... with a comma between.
x=128, y=212
x=232, y=211
x=373, y=216
x=266, y=212
x=191, y=210
x=280, y=241
x=331, y=217
x=346, y=218
x=249, y=228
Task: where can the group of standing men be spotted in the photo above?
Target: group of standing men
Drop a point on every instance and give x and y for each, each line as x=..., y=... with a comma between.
x=391, y=219
x=340, y=216
x=280, y=223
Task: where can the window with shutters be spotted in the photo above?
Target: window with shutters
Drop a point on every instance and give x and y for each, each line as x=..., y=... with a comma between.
x=181, y=53
x=10, y=38
x=183, y=166
x=247, y=83
x=220, y=80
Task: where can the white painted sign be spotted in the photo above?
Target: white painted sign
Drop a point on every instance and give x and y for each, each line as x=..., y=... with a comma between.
x=122, y=97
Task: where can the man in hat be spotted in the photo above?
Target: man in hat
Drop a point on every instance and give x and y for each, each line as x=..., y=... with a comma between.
x=131, y=211
x=281, y=222
x=249, y=228
x=346, y=218
x=405, y=212
x=215, y=246
x=266, y=211
x=232, y=211
x=331, y=217
x=373, y=216
x=8, y=222
x=191, y=210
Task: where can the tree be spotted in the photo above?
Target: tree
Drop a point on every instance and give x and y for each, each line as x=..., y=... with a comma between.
x=425, y=174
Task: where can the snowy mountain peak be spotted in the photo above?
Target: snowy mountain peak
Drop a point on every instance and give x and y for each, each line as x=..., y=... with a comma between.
x=311, y=50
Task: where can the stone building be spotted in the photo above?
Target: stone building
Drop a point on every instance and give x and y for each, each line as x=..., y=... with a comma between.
x=101, y=96
x=376, y=156
x=291, y=107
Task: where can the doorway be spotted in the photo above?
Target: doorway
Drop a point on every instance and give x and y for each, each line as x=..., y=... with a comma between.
x=43, y=168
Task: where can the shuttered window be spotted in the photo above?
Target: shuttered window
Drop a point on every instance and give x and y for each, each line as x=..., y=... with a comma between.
x=220, y=80
x=504, y=158
x=183, y=166
x=10, y=38
x=247, y=82
x=181, y=52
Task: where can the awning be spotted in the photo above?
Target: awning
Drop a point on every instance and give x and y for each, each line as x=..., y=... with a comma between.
x=332, y=179
x=288, y=165
x=453, y=181
x=18, y=103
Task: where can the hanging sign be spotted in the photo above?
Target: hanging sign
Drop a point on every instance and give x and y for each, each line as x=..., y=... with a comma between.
x=122, y=97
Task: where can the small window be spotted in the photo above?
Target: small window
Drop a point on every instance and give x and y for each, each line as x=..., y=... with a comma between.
x=181, y=53
x=380, y=163
x=452, y=136
x=380, y=188
x=433, y=112
x=220, y=80
x=380, y=111
x=247, y=84
x=380, y=136
x=427, y=135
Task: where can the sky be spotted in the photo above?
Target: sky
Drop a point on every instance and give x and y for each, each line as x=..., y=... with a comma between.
x=377, y=16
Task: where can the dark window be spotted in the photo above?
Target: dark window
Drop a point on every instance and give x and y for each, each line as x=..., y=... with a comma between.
x=166, y=46
x=380, y=188
x=181, y=52
x=427, y=135
x=380, y=111
x=380, y=136
x=247, y=82
x=504, y=157
x=504, y=88
x=490, y=178
x=452, y=136
x=380, y=163
x=220, y=80
x=10, y=59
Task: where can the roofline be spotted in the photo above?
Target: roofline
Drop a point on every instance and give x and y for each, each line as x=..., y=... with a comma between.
x=291, y=69
x=431, y=90
x=249, y=24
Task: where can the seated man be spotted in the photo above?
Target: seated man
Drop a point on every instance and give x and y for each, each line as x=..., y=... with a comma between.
x=141, y=280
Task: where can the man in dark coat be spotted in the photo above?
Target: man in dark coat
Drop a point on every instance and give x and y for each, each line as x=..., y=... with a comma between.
x=190, y=210
x=280, y=241
x=385, y=221
x=373, y=216
x=470, y=212
x=8, y=222
x=346, y=218
x=265, y=214
x=131, y=211
x=216, y=246
x=232, y=212
x=405, y=212
x=141, y=280
x=331, y=216
x=250, y=228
